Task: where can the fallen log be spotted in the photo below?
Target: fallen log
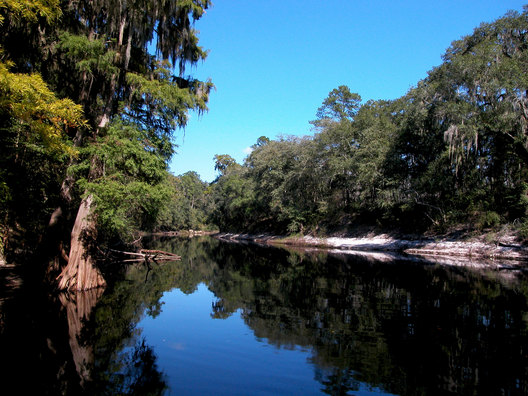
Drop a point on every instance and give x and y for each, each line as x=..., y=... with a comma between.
x=160, y=254
x=147, y=251
x=146, y=254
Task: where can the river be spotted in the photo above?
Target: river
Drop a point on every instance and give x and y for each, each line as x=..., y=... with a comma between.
x=242, y=319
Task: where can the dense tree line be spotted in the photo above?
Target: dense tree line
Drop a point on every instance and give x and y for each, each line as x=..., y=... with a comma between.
x=90, y=95
x=451, y=152
x=188, y=205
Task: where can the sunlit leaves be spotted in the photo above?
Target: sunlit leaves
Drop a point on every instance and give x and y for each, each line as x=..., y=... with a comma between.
x=107, y=51
x=158, y=101
x=224, y=163
x=30, y=10
x=38, y=115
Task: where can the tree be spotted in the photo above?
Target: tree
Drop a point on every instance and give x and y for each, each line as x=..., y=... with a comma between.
x=194, y=201
x=223, y=162
x=23, y=11
x=121, y=79
x=377, y=131
x=452, y=151
x=261, y=141
x=287, y=175
x=99, y=57
x=232, y=195
x=340, y=105
x=480, y=97
x=36, y=125
x=338, y=140
x=130, y=188
x=488, y=75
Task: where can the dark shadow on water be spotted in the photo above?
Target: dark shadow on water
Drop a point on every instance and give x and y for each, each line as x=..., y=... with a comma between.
x=34, y=343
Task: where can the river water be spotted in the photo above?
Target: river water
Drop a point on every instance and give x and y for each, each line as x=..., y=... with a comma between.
x=241, y=319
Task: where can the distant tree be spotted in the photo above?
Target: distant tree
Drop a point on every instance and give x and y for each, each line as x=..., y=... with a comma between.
x=340, y=105
x=478, y=101
x=487, y=74
x=188, y=206
x=223, y=162
x=338, y=139
x=261, y=141
x=232, y=194
x=377, y=130
x=452, y=152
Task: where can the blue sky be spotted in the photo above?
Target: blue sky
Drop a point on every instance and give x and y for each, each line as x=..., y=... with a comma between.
x=273, y=62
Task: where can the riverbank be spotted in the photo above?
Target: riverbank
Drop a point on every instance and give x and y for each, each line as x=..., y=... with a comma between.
x=505, y=248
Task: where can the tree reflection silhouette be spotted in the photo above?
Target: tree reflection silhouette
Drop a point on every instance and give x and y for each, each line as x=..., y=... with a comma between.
x=400, y=327
x=134, y=372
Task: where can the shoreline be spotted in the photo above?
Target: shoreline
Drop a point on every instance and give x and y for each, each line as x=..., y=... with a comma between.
x=427, y=248
x=181, y=233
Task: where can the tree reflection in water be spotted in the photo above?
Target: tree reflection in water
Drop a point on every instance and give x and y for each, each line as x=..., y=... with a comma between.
x=79, y=307
x=400, y=327
x=133, y=370
x=404, y=327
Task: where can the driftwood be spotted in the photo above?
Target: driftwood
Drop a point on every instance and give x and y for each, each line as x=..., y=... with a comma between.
x=147, y=255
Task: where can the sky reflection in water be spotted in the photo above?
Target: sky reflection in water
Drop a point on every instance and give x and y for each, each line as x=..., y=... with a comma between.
x=203, y=355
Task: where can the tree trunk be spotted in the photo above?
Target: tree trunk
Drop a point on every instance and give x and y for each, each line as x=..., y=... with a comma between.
x=81, y=272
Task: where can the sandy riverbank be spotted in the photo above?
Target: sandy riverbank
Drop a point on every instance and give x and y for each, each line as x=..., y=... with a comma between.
x=506, y=249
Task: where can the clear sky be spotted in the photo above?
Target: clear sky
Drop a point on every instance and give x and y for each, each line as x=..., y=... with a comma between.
x=273, y=62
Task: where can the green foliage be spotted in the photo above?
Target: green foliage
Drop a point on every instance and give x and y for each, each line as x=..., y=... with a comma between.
x=488, y=219
x=161, y=104
x=88, y=55
x=38, y=117
x=76, y=66
x=340, y=105
x=188, y=205
x=261, y=141
x=223, y=163
x=128, y=188
x=234, y=200
x=523, y=230
x=30, y=10
x=110, y=69
x=34, y=148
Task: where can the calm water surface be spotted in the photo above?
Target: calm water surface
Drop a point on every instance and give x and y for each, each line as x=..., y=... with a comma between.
x=242, y=319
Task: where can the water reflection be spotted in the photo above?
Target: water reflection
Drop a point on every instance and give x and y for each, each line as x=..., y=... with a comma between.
x=404, y=327
x=79, y=307
x=36, y=356
x=395, y=327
